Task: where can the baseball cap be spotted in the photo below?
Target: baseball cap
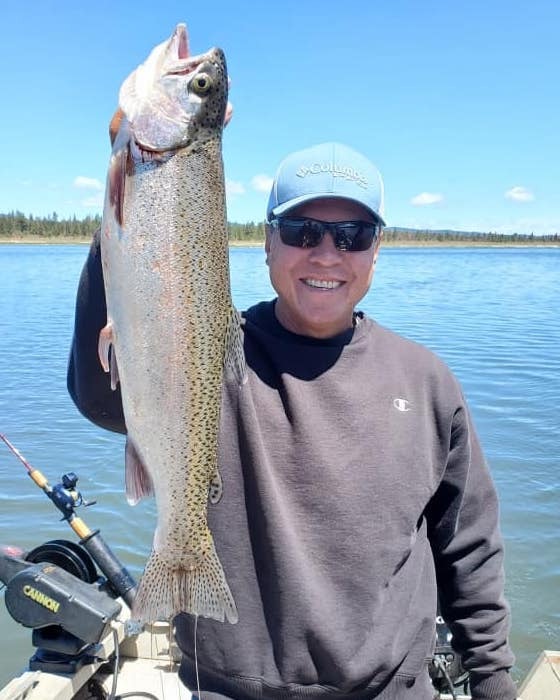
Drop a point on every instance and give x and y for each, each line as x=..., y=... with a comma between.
x=326, y=170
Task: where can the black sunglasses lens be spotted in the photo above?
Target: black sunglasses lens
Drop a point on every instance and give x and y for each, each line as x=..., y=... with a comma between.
x=355, y=236
x=352, y=236
x=301, y=233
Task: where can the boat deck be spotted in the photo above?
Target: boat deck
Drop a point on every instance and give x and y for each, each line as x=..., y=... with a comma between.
x=543, y=680
x=148, y=662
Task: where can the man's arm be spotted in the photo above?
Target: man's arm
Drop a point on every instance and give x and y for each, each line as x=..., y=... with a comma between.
x=468, y=551
x=88, y=384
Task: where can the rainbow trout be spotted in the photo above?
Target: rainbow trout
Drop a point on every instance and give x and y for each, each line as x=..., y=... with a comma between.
x=171, y=324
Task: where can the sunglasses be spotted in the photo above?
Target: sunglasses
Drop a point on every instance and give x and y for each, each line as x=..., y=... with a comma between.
x=351, y=236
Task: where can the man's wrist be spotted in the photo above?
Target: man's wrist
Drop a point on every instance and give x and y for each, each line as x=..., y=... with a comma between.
x=492, y=686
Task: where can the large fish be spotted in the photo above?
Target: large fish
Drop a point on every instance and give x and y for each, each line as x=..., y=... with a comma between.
x=171, y=324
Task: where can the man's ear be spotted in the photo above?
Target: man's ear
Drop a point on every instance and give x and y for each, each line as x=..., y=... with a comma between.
x=268, y=234
x=377, y=246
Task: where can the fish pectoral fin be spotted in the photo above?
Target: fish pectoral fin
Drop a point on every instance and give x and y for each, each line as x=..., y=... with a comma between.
x=138, y=483
x=170, y=586
x=106, y=353
x=235, y=354
x=118, y=169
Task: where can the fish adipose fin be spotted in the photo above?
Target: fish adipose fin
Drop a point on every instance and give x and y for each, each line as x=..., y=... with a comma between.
x=106, y=353
x=216, y=489
x=168, y=588
x=138, y=482
x=235, y=354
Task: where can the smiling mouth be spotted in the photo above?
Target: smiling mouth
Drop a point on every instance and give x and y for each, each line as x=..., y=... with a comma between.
x=322, y=284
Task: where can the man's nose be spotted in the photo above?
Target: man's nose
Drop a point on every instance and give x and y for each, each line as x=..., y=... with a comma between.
x=326, y=250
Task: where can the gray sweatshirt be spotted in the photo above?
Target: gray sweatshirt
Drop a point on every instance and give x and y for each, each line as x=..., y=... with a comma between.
x=353, y=487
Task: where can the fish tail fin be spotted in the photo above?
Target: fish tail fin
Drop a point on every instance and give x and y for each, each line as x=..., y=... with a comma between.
x=168, y=588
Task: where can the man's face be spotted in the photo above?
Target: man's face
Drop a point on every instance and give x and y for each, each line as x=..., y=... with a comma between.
x=303, y=307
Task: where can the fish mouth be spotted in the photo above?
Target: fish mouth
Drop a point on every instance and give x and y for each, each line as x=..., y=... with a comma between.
x=181, y=38
x=178, y=50
x=179, y=53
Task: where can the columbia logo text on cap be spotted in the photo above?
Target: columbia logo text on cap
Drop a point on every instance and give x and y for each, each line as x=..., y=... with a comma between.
x=335, y=170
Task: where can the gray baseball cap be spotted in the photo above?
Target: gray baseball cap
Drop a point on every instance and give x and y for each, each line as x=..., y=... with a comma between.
x=326, y=170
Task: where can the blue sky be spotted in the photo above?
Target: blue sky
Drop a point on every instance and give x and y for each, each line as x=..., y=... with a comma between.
x=456, y=102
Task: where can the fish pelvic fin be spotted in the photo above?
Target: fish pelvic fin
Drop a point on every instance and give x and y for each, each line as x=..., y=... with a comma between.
x=106, y=353
x=138, y=482
x=235, y=354
x=169, y=587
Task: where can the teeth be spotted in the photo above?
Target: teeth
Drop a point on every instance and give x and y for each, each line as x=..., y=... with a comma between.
x=323, y=284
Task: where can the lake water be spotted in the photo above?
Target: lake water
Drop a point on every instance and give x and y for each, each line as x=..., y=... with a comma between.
x=492, y=314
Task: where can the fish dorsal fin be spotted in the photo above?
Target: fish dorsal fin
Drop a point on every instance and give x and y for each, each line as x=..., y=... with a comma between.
x=235, y=354
x=106, y=353
x=138, y=482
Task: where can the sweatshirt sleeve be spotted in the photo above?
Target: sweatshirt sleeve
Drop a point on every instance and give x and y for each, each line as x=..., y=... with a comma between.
x=468, y=551
x=88, y=385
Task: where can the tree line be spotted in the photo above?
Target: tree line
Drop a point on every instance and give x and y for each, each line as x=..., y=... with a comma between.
x=406, y=234
x=17, y=225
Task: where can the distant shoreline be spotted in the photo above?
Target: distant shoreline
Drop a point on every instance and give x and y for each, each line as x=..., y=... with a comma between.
x=61, y=240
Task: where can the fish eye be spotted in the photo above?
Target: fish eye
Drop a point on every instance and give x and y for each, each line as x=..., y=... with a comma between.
x=201, y=83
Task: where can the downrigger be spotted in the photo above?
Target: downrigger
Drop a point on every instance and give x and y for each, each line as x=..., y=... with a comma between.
x=66, y=592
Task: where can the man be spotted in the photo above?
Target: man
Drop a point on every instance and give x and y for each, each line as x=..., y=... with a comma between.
x=354, y=483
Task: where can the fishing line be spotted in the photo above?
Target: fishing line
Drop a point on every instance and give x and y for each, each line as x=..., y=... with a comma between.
x=113, y=693
x=441, y=665
x=130, y=694
x=196, y=658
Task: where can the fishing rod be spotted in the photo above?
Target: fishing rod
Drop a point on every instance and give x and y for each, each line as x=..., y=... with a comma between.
x=67, y=498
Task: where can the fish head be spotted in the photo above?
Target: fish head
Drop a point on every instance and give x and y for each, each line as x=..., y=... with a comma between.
x=174, y=99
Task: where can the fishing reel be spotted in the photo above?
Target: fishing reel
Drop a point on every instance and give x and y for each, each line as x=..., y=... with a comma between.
x=66, y=496
x=446, y=670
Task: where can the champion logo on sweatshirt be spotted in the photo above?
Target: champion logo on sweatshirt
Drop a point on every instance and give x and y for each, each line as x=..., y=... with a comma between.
x=402, y=405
